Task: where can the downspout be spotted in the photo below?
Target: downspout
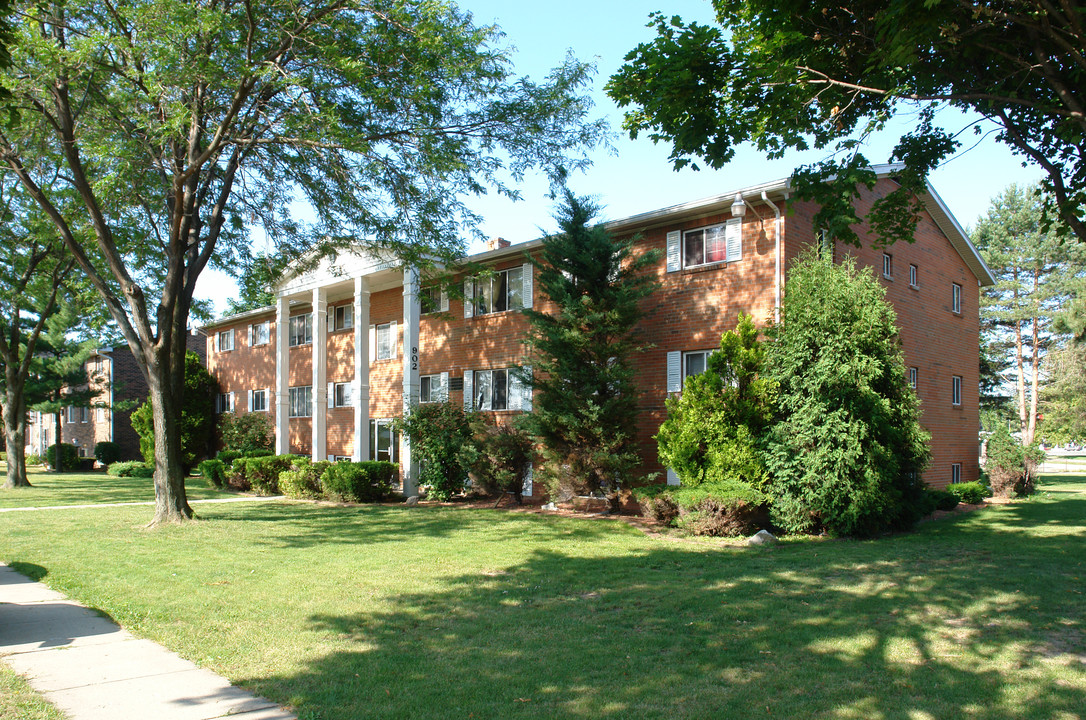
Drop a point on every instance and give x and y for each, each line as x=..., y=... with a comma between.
x=777, y=272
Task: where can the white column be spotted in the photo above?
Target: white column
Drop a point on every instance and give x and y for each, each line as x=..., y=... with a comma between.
x=320, y=374
x=282, y=377
x=361, y=370
x=409, y=466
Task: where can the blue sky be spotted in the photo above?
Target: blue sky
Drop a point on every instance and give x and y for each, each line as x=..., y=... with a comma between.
x=637, y=176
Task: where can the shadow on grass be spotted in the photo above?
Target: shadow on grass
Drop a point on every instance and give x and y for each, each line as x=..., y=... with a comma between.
x=961, y=619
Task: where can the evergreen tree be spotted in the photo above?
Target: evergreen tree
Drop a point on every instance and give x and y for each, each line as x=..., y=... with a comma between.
x=847, y=449
x=713, y=429
x=586, y=405
x=1036, y=274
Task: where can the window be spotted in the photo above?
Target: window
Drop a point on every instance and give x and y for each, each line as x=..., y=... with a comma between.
x=956, y=473
x=101, y=414
x=956, y=298
x=343, y=317
x=259, y=402
x=431, y=389
x=259, y=334
x=499, y=292
x=224, y=402
x=433, y=300
x=719, y=243
x=386, y=342
x=912, y=377
x=301, y=401
x=694, y=363
x=300, y=331
x=888, y=266
x=384, y=442
x=224, y=341
x=492, y=389
x=912, y=276
x=342, y=396
x=956, y=391
x=78, y=414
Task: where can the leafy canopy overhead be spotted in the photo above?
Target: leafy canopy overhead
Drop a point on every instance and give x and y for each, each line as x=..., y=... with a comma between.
x=800, y=74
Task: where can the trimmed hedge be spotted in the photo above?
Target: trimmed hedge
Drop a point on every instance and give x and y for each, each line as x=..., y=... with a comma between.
x=69, y=456
x=107, y=452
x=228, y=456
x=213, y=472
x=717, y=510
x=369, y=481
x=259, y=474
x=943, y=499
x=971, y=493
x=303, y=480
x=132, y=468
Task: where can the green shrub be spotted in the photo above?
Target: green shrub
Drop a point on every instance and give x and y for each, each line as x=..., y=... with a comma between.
x=259, y=453
x=69, y=456
x=260, y=474
x=657, y=503
x=132, y=468
x=443, y=438
x=358, y=482
x=303, y=479
x=247, y=432
x=85, y=464
x=213, y=472
x=503, y=460
x=33, y=460
x=971, y=493
x=228, y=456
x=107, y=452
x=943, y=499
x=722, y=510
x=1011, y=465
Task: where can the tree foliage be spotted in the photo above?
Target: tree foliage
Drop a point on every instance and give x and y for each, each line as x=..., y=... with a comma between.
x=847, y=449
x=797, y=74
x=586, y=400
x=1037, y=274
x=181, y=123
x=714, y=428
x=1063, y=397
x=246, y=432
x=256, y=282
x=197, y=419
x=443, y=436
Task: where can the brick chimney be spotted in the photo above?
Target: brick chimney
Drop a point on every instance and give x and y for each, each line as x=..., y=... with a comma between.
x=496, y=243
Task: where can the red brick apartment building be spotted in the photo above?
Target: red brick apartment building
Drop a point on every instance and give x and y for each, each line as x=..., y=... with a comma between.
x=352, y=342
x=116, y=377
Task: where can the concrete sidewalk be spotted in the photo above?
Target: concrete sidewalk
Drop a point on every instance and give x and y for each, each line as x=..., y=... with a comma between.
x=91, y=669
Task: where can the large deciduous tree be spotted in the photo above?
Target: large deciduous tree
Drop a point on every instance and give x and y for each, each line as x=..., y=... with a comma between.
x=1036, y=275
x=181, y=123
x=797, y=74
x=586, y=405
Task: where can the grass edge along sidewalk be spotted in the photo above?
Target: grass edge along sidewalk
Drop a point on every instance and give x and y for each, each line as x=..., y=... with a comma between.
x=376, y=611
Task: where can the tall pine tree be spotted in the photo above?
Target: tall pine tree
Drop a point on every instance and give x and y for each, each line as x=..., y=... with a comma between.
x=582, y=348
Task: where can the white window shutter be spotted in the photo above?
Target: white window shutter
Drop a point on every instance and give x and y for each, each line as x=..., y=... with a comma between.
x=444, y=300
x=232, y=406
x=526, y=285
x=250, y=339
x=674, y=241
x=469, y=298
x=674, y=372
x=528, y=477
x=373, y=343
x=217, y=343
x=672, y=477
x=733, y=239
x=268, y=399
x=526, y=390
x=469, y=401
x=516, y=394
x=250, y=392
x=393, y=340
x=331, y=395
x=444, y=393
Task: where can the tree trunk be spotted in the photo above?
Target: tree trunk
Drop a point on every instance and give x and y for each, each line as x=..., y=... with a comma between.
x=166, y=380
x=15, y=433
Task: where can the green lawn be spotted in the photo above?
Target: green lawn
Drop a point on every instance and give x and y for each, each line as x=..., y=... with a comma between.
x=19, y=702
x=89, y=488
x=394, y=612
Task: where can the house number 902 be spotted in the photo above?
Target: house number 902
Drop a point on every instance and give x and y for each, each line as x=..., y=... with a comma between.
x=414, y=358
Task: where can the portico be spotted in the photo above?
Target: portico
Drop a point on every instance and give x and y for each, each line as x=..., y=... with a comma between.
x=309, y=308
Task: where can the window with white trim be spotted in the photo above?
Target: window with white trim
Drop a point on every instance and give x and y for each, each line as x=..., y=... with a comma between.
x=913, y=274
x=498, y=292
x=384, y=442
x=342, y=395
x=385, y=342
x=492, y=389
x=888, y=266
x=77, y=414
x=300, y=330
x=260, y=401
x=301, y=401
x=956, y=298
x=431, y=389
x=342, y=317
x=956, y=390
x=955, y=473
x=695, y=363
x=713, y=244
x=913, y=373
x=259, y=334
x=224, y=340
x=433, y=299
x=224, y=402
